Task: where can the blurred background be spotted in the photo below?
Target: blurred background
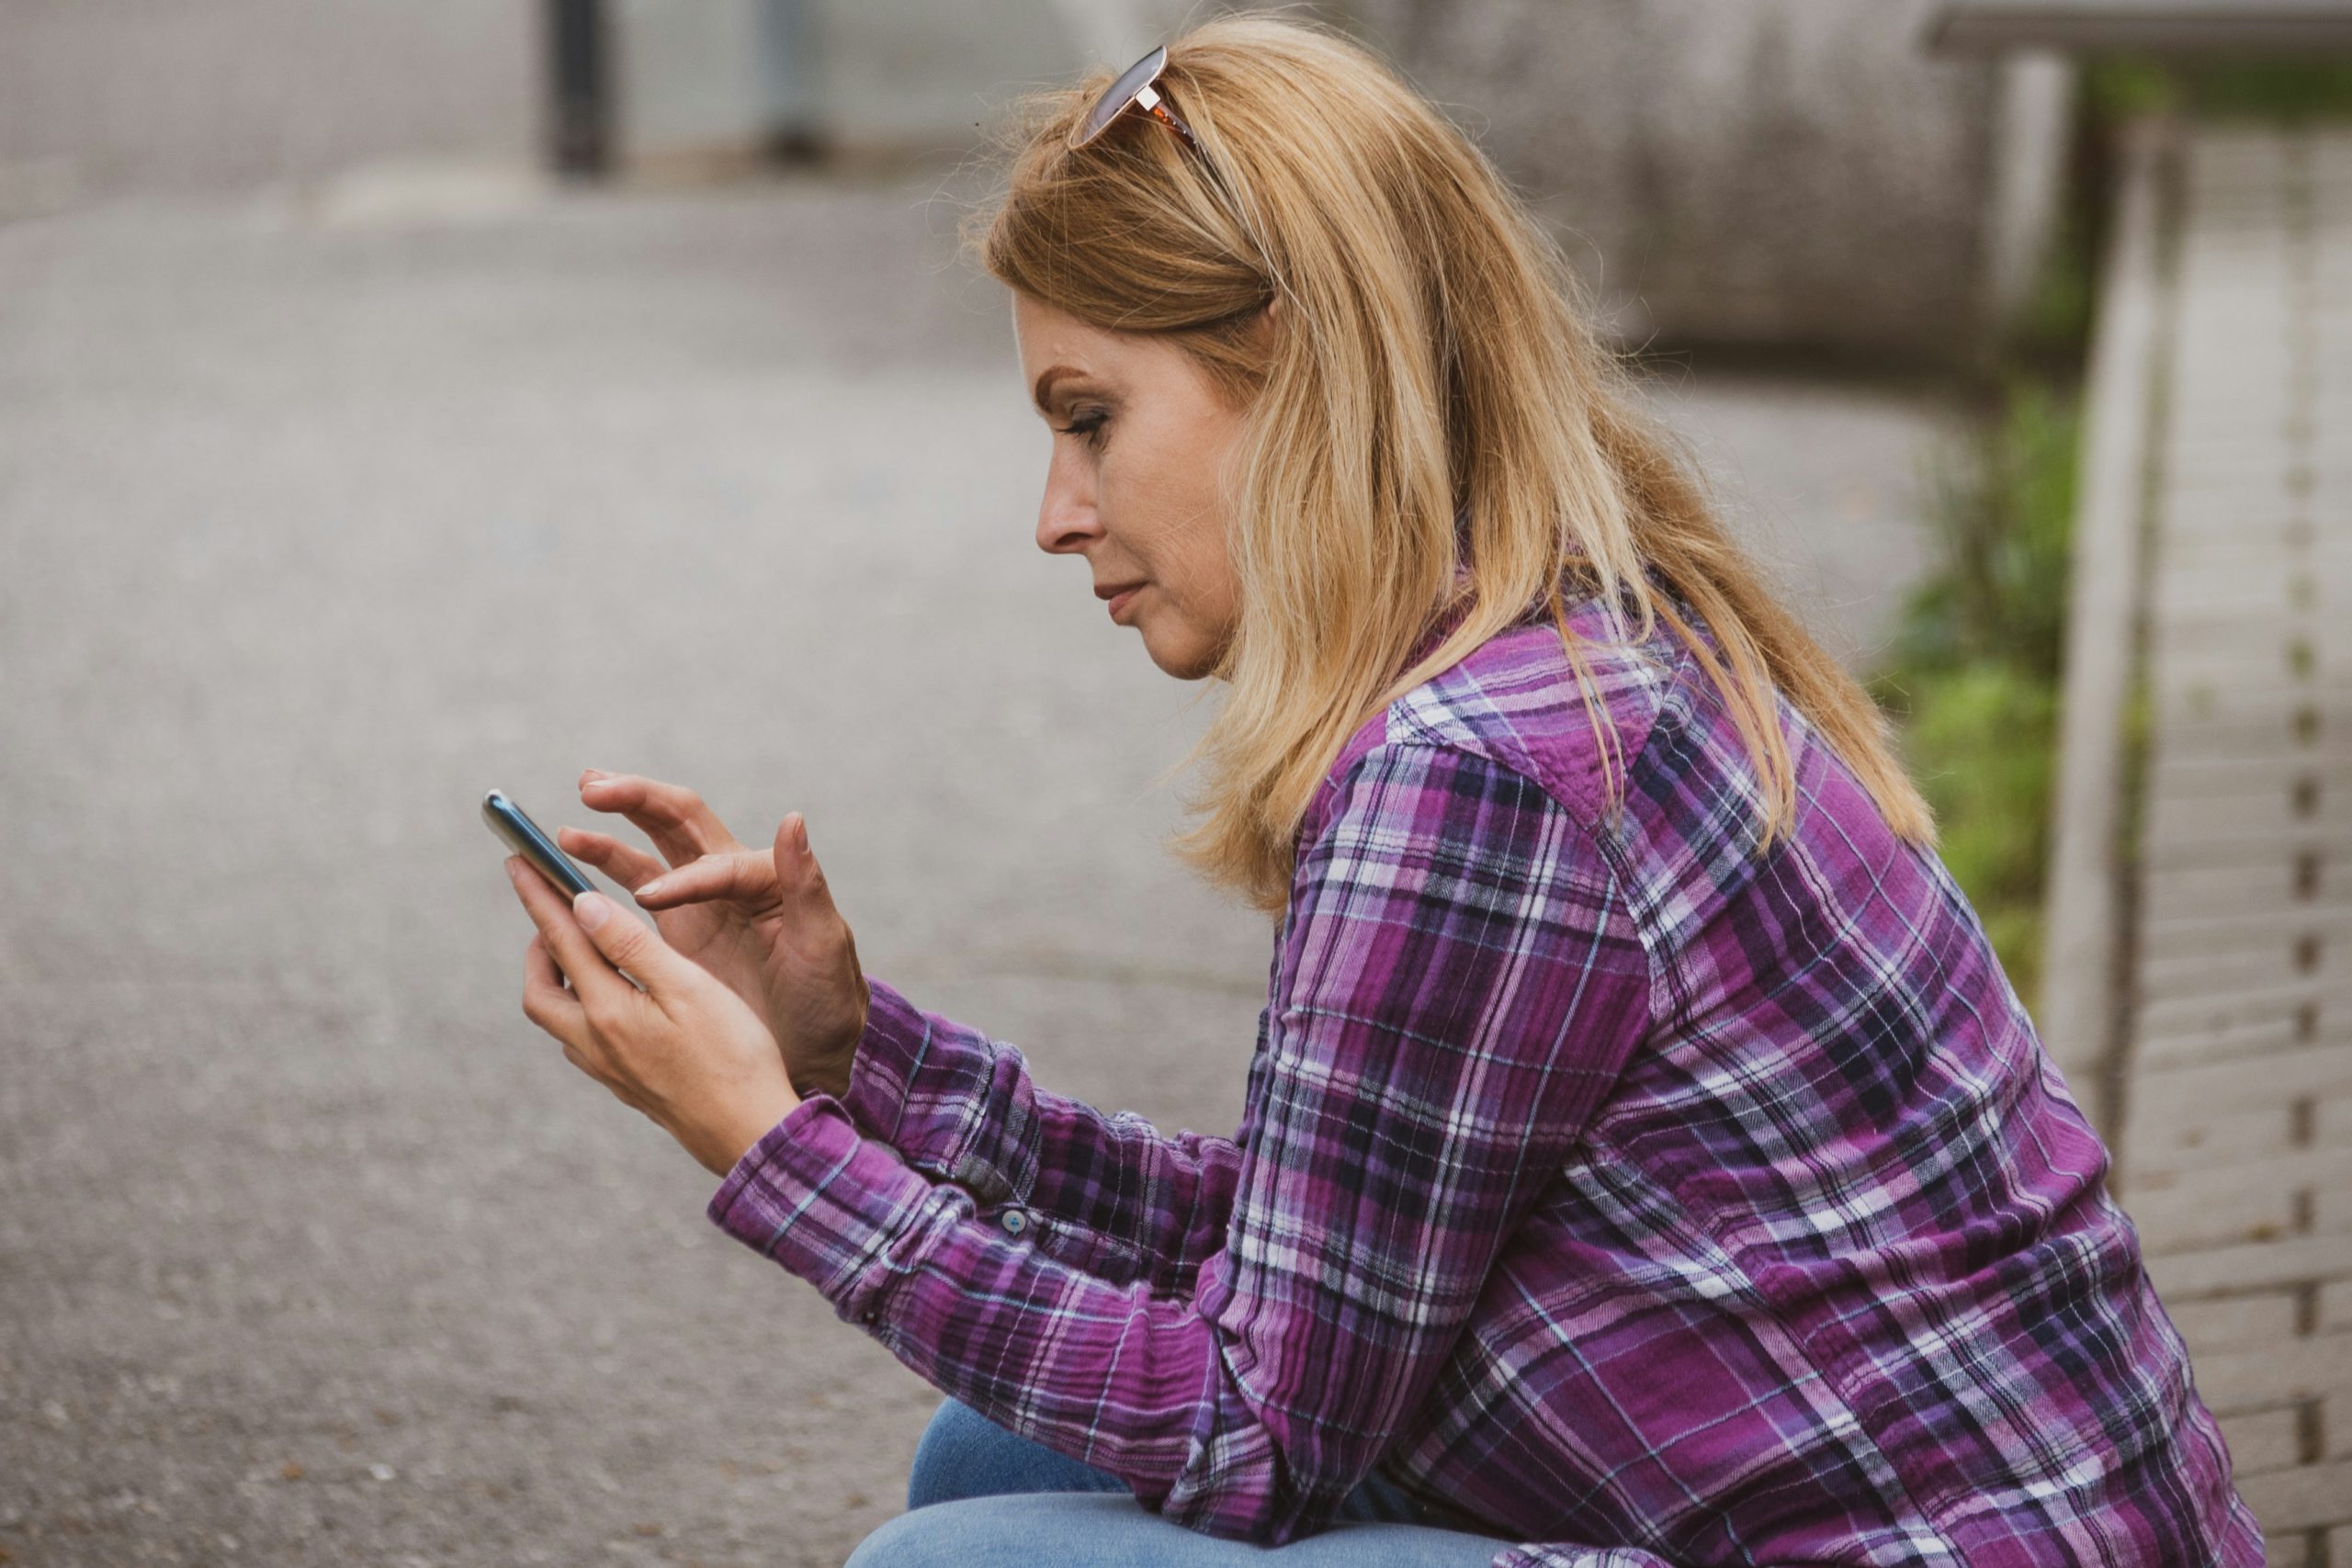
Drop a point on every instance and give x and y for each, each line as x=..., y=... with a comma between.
x=399, y=399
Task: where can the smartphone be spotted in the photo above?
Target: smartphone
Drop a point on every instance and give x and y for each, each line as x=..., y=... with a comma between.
x=522, y=835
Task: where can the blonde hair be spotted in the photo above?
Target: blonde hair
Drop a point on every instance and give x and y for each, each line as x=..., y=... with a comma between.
x=1433, y=358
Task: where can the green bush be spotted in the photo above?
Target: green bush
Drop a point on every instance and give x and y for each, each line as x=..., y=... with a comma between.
x=1981, y=744
x=2001, y=512
x=2117, y=86
x=1973, y=683
x=1974, y=680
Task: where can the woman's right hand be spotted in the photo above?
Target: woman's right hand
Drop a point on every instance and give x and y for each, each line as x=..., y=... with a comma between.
x=762, y=921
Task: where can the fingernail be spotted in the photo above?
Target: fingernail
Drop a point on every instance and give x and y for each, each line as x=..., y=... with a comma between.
x=650, y=889
x=593, y=910
x=800, y=834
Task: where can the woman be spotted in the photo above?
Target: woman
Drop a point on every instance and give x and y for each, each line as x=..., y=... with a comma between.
x=1645, y=1159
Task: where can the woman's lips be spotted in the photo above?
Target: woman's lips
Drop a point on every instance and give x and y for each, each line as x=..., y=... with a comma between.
x=1118, y=601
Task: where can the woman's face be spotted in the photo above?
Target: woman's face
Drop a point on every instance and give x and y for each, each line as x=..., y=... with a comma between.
x=1140, y=435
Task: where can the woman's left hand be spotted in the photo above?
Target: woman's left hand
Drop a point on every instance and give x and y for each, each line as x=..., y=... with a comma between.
x=687, y=1051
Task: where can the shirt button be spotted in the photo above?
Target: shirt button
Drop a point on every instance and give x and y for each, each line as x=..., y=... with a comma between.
x=868, y=1315
x=1015, y=1222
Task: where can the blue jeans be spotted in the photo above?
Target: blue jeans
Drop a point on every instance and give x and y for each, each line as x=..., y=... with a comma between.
x=983, y=1497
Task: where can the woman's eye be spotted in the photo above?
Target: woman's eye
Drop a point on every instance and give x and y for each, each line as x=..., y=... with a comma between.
x=1087, y=427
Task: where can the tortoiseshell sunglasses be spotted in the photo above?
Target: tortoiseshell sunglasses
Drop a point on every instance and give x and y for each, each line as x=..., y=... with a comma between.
x=1134, y=87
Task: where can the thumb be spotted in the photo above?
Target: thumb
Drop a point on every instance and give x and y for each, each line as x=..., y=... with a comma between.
x=797, y=871
x=631, y=945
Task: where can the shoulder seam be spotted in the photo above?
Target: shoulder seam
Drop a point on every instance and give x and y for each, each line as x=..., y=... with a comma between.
x=1659, y=680
x=1613, y=869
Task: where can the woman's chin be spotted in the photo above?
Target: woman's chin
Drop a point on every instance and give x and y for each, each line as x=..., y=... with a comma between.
x=1186, y=661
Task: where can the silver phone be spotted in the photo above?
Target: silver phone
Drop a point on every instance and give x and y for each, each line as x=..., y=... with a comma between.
x=519, y=833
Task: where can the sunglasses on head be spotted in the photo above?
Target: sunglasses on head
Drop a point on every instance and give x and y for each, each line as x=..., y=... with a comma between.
x=1133, y=86
x=1136, y=85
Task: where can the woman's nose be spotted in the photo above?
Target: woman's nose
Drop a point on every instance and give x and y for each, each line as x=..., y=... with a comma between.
x=1066, y=518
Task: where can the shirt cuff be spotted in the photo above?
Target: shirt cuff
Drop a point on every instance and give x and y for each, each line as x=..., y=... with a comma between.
x=836, y=1208
x=922, y=1083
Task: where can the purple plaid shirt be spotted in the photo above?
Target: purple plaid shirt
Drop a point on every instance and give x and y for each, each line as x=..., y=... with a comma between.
x=1630, y=1195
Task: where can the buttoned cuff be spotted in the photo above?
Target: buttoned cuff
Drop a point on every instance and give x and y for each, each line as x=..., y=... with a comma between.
x=838, y=1209
x=922, y=1084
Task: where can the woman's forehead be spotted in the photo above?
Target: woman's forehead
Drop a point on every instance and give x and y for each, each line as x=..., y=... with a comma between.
x=1062, y=345
x=1048, y=324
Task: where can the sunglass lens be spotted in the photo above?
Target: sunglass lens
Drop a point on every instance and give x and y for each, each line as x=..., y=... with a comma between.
x=1122, y=92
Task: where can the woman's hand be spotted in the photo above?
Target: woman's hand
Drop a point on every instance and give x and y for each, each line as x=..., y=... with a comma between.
x=760, y=920
x=686, y=1050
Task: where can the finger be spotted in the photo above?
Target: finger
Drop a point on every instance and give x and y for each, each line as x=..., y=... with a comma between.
x=585, y=1063
x=743, y=874
x=796, y=866
x=594, y=980
x=625, y=863
x=626, y=943
x=680, y=826
x=546, y=1002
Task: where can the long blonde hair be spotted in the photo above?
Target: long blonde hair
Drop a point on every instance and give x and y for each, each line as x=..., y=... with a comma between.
x=1435, y=360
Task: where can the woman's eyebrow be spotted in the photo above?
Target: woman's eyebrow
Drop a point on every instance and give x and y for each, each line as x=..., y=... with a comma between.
x=1046, y=380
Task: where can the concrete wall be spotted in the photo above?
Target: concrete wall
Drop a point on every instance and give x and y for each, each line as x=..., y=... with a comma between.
x=877, y=76
x=109, y=94
x=112, y=94
x=1769, y=172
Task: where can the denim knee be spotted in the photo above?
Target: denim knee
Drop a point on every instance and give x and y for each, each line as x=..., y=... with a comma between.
x=914, y=1540
x=963, y=1454
x=943, y=1466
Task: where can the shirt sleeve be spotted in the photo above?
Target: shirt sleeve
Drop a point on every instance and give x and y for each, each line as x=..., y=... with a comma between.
x=1104, y=1191
x=1455, y=986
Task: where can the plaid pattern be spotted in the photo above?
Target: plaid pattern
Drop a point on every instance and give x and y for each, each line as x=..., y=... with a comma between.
x=1643, y=1199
